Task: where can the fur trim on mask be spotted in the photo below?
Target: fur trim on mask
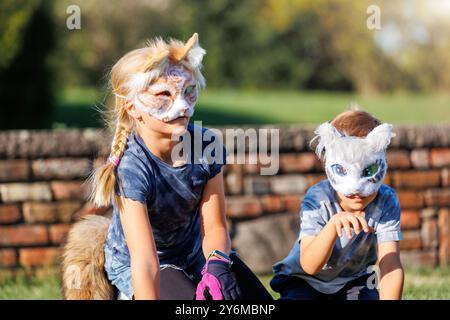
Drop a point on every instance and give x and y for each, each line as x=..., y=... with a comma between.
x=161, y=55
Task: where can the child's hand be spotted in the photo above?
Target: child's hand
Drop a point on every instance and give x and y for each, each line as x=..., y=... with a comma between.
x=347, y=220
x=218, y=282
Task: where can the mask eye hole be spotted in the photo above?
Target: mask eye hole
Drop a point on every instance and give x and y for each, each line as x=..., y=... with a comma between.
x=370, y=171
x=165, y=93
x=338, y=169
x=189, y=90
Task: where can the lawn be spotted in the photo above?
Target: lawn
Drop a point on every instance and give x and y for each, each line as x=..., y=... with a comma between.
x=420, y=284
x=76, y=107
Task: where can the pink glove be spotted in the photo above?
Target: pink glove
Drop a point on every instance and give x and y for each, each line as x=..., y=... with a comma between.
x=218, y=281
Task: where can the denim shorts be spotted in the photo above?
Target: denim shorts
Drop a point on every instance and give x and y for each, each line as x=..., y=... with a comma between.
x=119, y=274
x=295, y=288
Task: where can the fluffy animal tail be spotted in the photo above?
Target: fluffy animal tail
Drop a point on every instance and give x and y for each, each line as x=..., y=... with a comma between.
x=83, y=275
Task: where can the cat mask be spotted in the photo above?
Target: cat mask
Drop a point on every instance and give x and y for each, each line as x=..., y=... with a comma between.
x=168, y=88
x=354, y=165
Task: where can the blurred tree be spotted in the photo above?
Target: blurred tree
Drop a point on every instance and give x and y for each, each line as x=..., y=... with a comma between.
x=25, y=76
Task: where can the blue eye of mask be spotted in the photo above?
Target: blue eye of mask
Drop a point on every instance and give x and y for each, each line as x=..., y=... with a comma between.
x=370, y=171
x=338, y=169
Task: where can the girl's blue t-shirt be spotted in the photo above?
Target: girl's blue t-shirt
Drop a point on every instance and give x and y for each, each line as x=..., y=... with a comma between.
x=172, y=195
x=350, y=259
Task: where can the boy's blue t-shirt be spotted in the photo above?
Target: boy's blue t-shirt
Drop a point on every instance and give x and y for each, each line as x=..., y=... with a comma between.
x=350, y=259
x=172, y=195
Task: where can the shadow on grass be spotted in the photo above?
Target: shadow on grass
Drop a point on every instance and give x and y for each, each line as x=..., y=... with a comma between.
x=79, y=115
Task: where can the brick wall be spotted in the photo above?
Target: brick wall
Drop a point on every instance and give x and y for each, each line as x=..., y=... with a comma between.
x=42, y=193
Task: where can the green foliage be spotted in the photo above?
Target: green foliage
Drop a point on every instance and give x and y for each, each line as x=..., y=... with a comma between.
x=253, y=44
x=25, y=76
x=14, y=17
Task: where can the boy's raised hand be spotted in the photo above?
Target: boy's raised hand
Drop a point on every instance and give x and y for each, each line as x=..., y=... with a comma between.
x=347, y=220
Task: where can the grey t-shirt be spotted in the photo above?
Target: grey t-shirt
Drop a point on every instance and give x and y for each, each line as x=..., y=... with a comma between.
x=172, y=195
x=350, y=259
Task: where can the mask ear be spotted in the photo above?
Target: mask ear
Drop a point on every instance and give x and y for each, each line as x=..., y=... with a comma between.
x=327, y=134
x=380, y=137
x=191, y=52
x=195, y=53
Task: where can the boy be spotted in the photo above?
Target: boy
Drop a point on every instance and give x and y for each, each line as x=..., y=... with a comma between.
x=349, y=222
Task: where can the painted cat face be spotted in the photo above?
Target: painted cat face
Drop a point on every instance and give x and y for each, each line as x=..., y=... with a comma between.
x=166, y=82
x=354, y=165
x=172, y=95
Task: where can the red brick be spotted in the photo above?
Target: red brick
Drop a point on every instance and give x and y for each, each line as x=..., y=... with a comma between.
x=233, y=179
x=419, y=258
x=8, y=258
x=292, y=202
x=48, y=212
x=410, y=219
x=315, y=178
x=39, y=212
x=73, y=190
x=410, y=199
x=429, y=233
x=58, y=232
x=416, y=179
x=440, y=157
x=23, y=235
x=437, y=197
x=257, y=185
x=99, y=162
x=30, y=257
x=411, y=240
x=388, y=179
x=286, y=184
x=398, y=159
x=89, y=208
x=272, y=203
x=233, y=183
x=444, y=236
x=428, y=213
x=298, y=162
x=251, y=168
x=14, y=170
x=243, y=206
x=61, y=168
x=445, y=176
x=420, y=158
x=66, y=210
x=9, y=213
x=16, y=192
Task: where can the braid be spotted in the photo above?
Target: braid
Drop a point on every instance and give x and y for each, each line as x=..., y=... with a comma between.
x=104, y=178
x=120, y=140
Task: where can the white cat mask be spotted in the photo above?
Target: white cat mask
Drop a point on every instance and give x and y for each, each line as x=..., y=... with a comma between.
x=176, y=66
x=354, y=165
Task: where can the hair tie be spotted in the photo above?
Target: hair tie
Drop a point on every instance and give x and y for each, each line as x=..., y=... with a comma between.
x=114, y=160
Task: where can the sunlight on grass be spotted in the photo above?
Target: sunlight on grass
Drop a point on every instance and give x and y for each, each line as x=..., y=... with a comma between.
x=420, y=284
x=77, y=107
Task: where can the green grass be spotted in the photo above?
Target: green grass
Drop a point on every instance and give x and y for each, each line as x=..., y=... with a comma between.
x=235, y=107
x=420, y=284
x=30, y=288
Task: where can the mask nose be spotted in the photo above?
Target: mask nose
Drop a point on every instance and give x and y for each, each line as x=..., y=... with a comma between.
x=180, y=105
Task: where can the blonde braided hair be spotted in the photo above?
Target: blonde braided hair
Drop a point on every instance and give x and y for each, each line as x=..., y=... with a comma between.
x=152, y=60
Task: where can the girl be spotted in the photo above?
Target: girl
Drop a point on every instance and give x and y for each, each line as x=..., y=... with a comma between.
x=168, y=237
x=326, y=262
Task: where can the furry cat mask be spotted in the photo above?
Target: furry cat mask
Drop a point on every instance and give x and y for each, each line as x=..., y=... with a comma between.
x=167, y=87
x=354, y=165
